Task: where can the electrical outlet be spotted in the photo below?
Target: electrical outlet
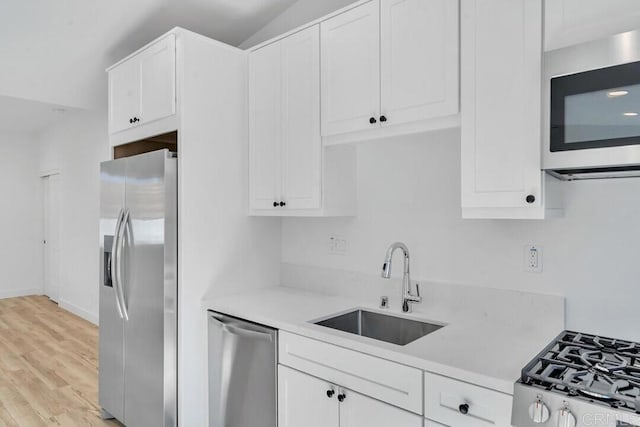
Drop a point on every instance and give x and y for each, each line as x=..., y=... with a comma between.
x=533, y=258
x=337, y=245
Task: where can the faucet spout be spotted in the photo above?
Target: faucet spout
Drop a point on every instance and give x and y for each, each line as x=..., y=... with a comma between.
x=407, y=296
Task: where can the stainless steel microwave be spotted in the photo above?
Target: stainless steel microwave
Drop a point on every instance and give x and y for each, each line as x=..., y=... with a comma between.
x=592, y=109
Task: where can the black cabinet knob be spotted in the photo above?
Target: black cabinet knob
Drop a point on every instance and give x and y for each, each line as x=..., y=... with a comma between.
x=383, y=119
x=330, y=393
x=342, y=397
x=135, y=119
x=275, y=204
x=283, y=204
x=531, y=198
x=130, y=120
x=373, y=120
x=464, y=408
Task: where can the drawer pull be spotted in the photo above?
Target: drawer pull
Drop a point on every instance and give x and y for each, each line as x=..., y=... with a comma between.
x=342, y=397
x=464, y=408
x=330, y=393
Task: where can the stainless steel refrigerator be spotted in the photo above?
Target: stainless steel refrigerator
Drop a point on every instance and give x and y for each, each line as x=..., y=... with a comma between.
x=139, y=290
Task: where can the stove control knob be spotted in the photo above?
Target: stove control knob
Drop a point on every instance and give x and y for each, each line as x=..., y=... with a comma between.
x=539, y=412
x=566, y=418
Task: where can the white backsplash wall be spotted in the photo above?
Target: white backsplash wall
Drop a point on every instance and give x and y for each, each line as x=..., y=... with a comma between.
x=409, y=190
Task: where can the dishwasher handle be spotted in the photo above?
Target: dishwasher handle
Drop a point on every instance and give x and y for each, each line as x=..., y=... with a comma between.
x=236, y=329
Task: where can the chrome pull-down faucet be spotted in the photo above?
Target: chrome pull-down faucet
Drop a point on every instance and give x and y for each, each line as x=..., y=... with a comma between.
x=407, y=296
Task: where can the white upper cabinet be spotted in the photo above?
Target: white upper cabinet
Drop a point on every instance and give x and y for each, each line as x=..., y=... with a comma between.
x=351, y=70
x=570, y=22
x=389, y=62
x=287, y=159
x=284, y=123
x=265, y=130
x=158, y=80
x=419, y=59
x=124, y=96
x=301, y=143
x=501, y=108
x=142, y=89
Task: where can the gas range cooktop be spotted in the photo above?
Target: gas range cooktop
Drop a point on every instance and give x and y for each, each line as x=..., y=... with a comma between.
x=580, y=380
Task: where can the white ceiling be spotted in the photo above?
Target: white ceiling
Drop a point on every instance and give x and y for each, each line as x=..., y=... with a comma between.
x=56, y=51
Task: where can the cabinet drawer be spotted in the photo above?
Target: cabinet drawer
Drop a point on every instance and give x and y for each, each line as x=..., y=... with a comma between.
x=444, y=396
x=381, y=379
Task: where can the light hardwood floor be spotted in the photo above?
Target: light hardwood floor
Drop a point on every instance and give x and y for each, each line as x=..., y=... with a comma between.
x=48, y=366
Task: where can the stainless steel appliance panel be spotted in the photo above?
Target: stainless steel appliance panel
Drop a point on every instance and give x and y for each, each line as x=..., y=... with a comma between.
x=613, y=51
x=138, y=290
x=111, y=358
x=242, y=373
x=150, y=291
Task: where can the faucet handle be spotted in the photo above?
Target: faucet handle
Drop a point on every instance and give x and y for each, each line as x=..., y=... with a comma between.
x=417, y=289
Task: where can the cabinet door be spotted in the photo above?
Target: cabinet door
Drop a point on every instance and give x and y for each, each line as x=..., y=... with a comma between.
x=351, y=70
x=265, y=126
x=123, y=95
x=303, y=401
x=357, y=410
x=419, y=59
x=158, y=80
x=301, y=143
x=501, y=101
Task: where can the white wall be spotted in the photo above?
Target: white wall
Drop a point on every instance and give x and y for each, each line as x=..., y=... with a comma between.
x=222, y=250
x=297, y=14
x=20, y=219
x=76, y=146
x=409, y=190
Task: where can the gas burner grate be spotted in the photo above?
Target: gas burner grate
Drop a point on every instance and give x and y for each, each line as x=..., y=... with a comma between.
x=589, y=367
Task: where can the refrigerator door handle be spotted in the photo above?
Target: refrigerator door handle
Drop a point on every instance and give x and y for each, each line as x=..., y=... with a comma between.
x=113, y=268
x=242, y=332
x=124, y=226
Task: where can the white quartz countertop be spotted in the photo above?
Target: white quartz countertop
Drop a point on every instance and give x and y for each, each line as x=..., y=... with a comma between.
x=480, y=351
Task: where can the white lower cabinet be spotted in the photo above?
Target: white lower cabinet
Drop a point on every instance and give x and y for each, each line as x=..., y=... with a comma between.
x=459, y=404
x=429, y=423
x=306, y=401
x=303, y=400
x=357, y=410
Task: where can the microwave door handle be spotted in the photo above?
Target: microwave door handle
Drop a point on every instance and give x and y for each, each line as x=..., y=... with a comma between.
x=113, y=263
x=126, y=220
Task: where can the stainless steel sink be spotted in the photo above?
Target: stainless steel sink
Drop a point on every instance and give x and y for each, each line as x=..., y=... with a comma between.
x=392, y=329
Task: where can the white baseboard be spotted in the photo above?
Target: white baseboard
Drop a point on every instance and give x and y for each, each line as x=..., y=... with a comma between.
x=19, y=293
x=86, y=315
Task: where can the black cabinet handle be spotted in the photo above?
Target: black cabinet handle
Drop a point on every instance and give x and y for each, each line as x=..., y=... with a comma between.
x=283, y=204
x=373, y=120
x=342, y=397
x=383, y=119
x=135, y=119
x=330, y=393
x=275, y=204
x=130, y=121
x=531, y=198
x=464, y=408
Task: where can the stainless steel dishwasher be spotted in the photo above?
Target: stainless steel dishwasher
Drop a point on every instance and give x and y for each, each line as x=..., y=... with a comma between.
x=242, y=373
